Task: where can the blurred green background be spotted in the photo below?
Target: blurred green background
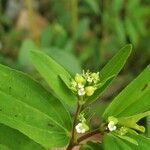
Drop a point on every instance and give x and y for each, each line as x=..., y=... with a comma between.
x=79, y=34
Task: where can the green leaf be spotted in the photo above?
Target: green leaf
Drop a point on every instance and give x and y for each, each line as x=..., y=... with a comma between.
x=133, y=99
x=24, y=52
x=111, y=69
x=71, y=64
x=131, y=121
x=11, y=139
x=131, y=31
x=117, y=6
x=148, y=126
x=51, y=70
x=94, y=5
x=111, y=142
x=46, y=36
x=120, y=30
x=143, y=142
x=4, y=147
x=26, y=106
x=127, y=138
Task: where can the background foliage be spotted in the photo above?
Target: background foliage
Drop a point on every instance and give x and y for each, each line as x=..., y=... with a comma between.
x=76, y=33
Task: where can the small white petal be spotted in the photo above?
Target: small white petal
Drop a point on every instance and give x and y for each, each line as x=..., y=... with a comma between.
x=80, y=86
x=81, y=92
x=89, y=79
x=111, y=126
x=80, y=128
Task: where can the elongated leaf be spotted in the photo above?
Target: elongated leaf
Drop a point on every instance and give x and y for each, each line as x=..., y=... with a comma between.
x=24, y=52
x=66, y=59
x=11, y=139
x=111, y=69
x=51, y=70
x=133, y=99
x=143, y=142
x=29, y=108
x=131, y=30
x=93, y=5
x=114, y=66
x=111, y=142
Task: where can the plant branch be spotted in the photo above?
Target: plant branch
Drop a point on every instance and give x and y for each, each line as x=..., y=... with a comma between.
x=87, y=135
x=72, y=141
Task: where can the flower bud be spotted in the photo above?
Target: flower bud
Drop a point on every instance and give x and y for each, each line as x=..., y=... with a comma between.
x=79, y=78
x=89, y=90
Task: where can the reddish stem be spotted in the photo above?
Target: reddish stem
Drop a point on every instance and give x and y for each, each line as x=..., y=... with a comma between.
x=86, y=136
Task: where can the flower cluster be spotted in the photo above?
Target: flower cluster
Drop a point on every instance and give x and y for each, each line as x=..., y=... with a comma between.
x=113, y=126
x=82, y=127
x=85, y=83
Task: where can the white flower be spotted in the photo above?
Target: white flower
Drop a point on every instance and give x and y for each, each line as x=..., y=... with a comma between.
x=81, y=128
x=89, y=79
x=81, y=92
x=111, y=126
x=80, y=86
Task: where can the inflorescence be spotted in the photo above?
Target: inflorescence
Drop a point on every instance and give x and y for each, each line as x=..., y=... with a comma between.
x=85, y=84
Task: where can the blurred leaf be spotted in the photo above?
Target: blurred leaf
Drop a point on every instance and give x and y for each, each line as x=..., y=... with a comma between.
x=94, y=5
x=4, y=147
x=53, y=35
x=51, y=70
x=133, y=99
x=117, y=6
x=82, y=29
x=140, y=26
x=46, y=37
x=131, y=31
x=11, y=139
x=66, y=59
x=24, y=53
x=26, y=106
x=120, y=30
